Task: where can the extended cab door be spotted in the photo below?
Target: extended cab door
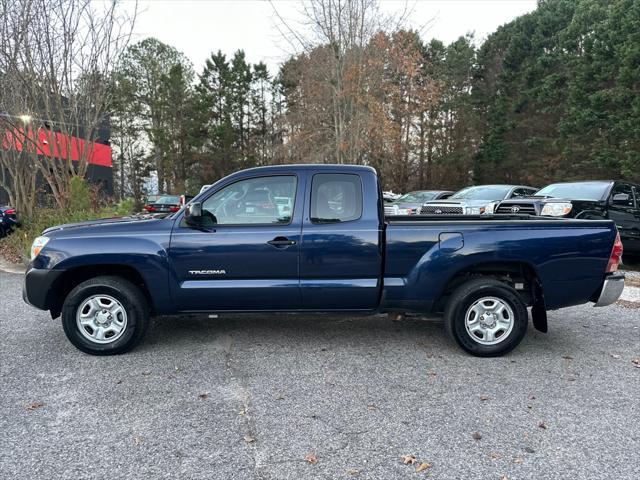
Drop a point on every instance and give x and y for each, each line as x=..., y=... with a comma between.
x=340, y=256
x=245, y=257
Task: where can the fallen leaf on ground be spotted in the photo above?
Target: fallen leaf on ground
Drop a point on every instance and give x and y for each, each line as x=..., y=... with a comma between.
x=615, y=355
x=504, y=477
x=146, y=374
x=353, y=471
x=423, y=466
x=371, y=407
x=311, y=458
x=636, y=362
x=567, y=357
x=204, y=396
x=409, y=459
x=484, y=398
x=495, y=455
x=477, y=436
x=518, y=460
x=433, y=374
x=137, y=439
x=34, y=405
x=543, y=425
x=529, y=450
x=249, y=439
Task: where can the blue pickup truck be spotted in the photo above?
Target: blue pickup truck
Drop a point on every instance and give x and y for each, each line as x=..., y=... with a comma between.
x=310, y=238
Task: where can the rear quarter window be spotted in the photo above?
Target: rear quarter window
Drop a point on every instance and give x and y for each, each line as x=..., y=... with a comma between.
x=336, y=198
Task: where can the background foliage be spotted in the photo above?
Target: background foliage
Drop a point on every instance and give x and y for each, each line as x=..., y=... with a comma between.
x=553, y=95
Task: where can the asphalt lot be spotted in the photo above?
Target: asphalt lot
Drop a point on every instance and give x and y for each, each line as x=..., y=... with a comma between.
x=250, y=397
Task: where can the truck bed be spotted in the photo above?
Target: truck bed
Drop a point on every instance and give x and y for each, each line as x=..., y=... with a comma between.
x=423, y=253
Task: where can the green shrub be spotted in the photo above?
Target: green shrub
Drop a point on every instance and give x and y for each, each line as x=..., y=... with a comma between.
x=124, y=207
x=80, y=195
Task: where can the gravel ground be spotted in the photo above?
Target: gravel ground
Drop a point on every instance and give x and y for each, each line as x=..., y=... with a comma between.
x=250, y=397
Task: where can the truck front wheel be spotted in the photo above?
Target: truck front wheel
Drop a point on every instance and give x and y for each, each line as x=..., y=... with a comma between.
x=105, y=316
x=486, y=317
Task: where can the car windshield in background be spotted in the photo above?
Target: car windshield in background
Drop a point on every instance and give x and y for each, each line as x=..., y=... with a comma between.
x=417, y=197
x=169, y=200
x=576, y=191
x=483, y=192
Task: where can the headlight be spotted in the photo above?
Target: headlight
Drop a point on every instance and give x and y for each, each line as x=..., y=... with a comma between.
x=490, y=208
x=37, y=246
x=556, y=209
x=474, y=210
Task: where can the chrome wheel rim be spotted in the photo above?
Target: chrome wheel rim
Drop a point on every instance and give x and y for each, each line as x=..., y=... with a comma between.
x=489, y=320
x=101, y=319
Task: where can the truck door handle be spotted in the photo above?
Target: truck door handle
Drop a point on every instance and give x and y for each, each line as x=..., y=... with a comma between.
x=281, y=242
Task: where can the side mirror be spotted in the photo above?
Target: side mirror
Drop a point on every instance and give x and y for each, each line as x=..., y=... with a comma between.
x=621, y=199
x=193, y=213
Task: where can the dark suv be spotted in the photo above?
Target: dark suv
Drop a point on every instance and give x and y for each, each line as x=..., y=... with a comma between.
x=614, y=200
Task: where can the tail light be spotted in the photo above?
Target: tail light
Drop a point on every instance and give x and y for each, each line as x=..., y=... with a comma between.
x=616, y=255
x=174, y=209
x=267, y=206
x=10, y=211
x=149, y=208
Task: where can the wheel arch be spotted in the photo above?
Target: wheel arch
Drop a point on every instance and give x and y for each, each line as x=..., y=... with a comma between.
x=74, y=276
x=511, y=272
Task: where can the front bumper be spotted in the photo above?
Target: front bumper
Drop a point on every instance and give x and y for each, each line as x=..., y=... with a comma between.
x=36, y=288
x=611, y=290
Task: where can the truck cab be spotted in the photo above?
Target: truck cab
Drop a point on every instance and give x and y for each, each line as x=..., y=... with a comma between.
x=245, y=250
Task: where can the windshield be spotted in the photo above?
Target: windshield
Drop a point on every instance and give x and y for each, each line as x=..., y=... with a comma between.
x=483, y=192
x=168, y=200
x=417, y=197
x=578, y=191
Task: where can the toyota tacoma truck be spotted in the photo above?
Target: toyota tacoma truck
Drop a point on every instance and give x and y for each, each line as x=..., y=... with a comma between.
x=313, y=238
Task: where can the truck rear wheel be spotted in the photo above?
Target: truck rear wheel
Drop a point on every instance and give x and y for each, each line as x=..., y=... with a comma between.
x=486, y=317
x=105, y=316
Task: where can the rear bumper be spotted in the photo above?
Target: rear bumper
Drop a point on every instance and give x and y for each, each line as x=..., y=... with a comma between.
x=36, y=289
x=611, y=290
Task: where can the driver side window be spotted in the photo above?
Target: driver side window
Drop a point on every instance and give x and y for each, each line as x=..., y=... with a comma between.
x=260, y=200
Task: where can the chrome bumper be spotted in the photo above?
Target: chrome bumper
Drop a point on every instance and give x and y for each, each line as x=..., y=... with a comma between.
x=611, y=290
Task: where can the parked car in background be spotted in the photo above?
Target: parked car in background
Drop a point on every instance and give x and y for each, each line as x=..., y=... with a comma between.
x=473, y=200
x=167, y=204
x=606, y=199
x=410, y=203
x=8, y=220
x=388, y=196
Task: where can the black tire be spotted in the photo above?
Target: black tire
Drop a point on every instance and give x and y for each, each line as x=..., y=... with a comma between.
x=465, y=296
x=127, y=294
